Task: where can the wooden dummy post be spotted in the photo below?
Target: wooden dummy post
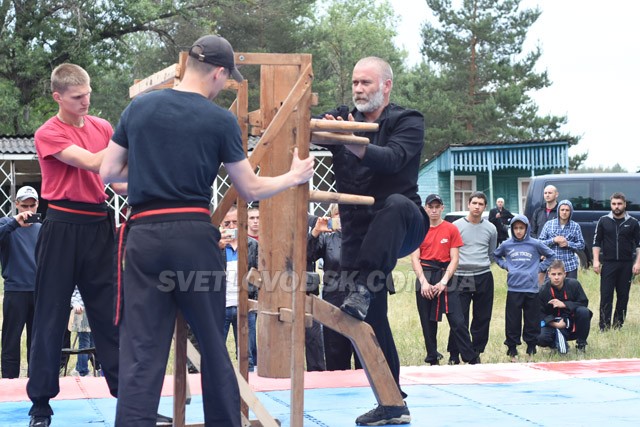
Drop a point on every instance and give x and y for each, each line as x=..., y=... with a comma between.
x=284, y=115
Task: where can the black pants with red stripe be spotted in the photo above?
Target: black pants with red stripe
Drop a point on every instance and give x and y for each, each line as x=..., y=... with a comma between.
x=72, y=250
x=455, y=318
x=171, y=265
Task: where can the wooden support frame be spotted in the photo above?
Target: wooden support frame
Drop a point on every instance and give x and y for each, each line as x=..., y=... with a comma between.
x=364, y=341
x=285, y=101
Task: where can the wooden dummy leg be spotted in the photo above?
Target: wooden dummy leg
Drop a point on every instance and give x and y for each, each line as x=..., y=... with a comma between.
x=180, y=372
x=364, y=340
x=247, y=395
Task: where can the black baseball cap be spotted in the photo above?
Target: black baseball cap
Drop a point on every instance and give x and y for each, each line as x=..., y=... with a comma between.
x=216, y=50
x=433, y=198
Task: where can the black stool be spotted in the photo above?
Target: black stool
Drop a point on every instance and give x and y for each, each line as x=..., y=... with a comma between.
x=91, y=351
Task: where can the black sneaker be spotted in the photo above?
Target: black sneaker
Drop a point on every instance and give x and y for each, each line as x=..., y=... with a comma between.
x=581, y=348
x=561, y=342
x=454, y=359
x=163, y=420
x=475, y=361
x=38, y=421
x=384, y=415
x=531, y=349
x=356, y=304
x=435, y=361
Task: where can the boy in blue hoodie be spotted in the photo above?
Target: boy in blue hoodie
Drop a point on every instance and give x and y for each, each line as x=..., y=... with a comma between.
x=521, y=256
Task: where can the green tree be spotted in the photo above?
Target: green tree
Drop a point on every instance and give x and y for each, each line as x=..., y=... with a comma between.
x=483, y=77
x=37, y=35
x=117, y=41
x=264, y=25
x=617, y=168
x=339, y=35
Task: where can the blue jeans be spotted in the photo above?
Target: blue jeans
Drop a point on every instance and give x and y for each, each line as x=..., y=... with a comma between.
x=85, y=340
x=231, y=319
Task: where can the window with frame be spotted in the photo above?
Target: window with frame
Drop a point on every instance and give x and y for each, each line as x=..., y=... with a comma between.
x=523, y=190
x=463, y=186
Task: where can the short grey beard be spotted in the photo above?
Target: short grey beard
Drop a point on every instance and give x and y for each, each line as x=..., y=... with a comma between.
x=376, y=101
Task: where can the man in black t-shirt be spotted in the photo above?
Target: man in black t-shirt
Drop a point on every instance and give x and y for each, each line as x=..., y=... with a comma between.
x=169, y=145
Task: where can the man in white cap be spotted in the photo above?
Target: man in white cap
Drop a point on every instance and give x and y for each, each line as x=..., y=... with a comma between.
x=18, y=237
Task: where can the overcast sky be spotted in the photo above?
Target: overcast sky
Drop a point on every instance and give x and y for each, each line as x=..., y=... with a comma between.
x=591, y=51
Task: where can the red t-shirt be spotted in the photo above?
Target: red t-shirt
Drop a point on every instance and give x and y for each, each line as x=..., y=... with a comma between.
x=61, y=181
x=439, y=241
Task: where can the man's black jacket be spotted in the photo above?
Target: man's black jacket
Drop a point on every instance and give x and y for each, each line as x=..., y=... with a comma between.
x=391, y=163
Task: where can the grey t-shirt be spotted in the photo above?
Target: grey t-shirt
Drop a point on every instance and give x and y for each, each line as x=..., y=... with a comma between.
x=480, y=242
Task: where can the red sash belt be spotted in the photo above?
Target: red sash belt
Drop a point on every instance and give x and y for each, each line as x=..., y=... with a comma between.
x=446, y=304
x=169, y=211
x=77, y=211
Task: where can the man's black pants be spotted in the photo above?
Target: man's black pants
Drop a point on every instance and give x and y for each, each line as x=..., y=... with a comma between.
x=519, y=306
x=479, y=290
x=338, y=349
x=372, y=241
x=17, y=312
x=614, y=276
x=579, y=331
x=173, y=265
x=70, y=254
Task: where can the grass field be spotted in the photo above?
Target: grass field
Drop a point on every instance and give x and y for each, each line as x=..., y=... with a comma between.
x=405, y=323
x=622, y=343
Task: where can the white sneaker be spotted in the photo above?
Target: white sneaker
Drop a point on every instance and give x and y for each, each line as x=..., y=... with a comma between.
x=74, y=373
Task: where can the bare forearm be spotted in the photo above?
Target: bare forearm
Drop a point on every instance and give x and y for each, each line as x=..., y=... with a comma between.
x=415, y=264
x=94, y=162
x=596, y=255
x=252, y=187
x=115, y=177
x=119, y=188
x=264, y=187
x=80, y=158
x=115, y=166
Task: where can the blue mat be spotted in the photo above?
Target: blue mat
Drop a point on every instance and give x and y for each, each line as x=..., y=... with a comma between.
x=609, y=401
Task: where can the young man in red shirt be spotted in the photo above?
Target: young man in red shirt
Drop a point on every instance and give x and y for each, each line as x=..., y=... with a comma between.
x=76, y=242
x=434, y=263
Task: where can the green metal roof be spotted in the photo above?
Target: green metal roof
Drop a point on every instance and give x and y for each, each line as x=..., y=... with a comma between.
x=484, y=156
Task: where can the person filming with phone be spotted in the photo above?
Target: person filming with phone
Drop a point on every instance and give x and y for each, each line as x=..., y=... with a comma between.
x=229, y=246
x=324, y=242
x=18, y=237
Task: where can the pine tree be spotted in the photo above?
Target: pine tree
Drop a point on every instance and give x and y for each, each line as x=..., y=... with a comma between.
x=483, y=77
